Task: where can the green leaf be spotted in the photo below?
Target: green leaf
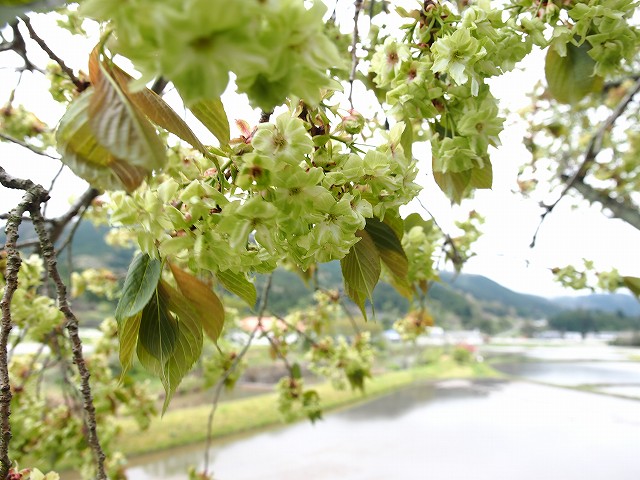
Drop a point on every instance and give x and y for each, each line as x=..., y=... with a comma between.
x=212, y=115
x=188, y=344
x=89, y=160
x=571, y=78
x=361, y=270
x=482, y=177
x=393, y=219
x=453, y=184
x=391, y=253
x=633, y=284
x=206, y=304
x=415, y=220
x=139, y=286
x=238, y=284
x=128, y=338
x=158, y=328
x=157, y=110
x=117, y=125
x=406, y=139
x=296, y=371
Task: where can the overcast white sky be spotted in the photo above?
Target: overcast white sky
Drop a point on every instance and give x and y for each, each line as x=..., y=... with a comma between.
x=503, y=254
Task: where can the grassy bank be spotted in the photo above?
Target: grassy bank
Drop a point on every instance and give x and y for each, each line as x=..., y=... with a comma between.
x=189, y=425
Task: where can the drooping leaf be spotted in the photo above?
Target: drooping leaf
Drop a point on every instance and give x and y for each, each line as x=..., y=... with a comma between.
x=453, y=184
x=406, y=139
x=238, y=284
x=571, y=78
x=188, y=344
x=128, y=329
x=82, y=153
x=116, y=123
x=157, y=110
x=633, y=284
x=482, y=178
x=158, y=328
x=139, y=286
x=415, y=220
x=212, y=115
x=206, y=304
x=361, y=270
x=391, y=253
x=393, y=219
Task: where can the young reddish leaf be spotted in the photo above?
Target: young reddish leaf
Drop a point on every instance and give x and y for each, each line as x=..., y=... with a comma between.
x=206, y=304
x=361, y=270
x=157, y=110
x=212, y=115
x=118, y=126
x=82, y=153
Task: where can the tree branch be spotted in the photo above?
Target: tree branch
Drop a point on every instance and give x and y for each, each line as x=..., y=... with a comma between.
x=18, y=45
x=619, y=209
x=58, y=224
x=80, y=85
x=236, y=361
x=354, y=45
x=9, y=138
x=72, y=326
x=34, y=195
x=593, y=149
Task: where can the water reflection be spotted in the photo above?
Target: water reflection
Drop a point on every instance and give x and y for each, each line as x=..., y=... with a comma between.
x=479, y=430
x=577, y=373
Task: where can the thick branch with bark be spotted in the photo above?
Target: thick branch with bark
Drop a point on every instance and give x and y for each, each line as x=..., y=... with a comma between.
x=620, y=209
x=34, y=196
x=72, y=326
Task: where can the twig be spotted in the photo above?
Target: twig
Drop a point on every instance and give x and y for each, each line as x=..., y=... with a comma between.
x=51, y=185
x=59, y=224
x=11, y=139
x=294, y=328
x=593, y=149
x=18, y=45
x=349, y=315
x=455, y=256
x=80, y=85
x=264, y=116
x=159, y=85
x=72, y=325
x=218, y=388
x=354, y=45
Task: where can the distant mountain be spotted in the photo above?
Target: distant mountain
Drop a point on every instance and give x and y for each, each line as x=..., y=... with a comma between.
x=613, y=303
x=482, y=288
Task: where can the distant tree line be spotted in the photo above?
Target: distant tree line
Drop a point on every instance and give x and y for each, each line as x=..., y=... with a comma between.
x=586, y=321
